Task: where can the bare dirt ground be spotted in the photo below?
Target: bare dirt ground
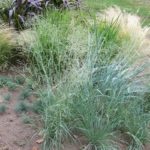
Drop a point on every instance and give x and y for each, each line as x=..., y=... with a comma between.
x=14, y=134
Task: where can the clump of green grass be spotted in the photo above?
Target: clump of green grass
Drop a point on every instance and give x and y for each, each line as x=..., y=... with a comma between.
x=109, y=39
x=11, y=85
x=20, y=80
x=26, y=119
x=2, y=108
x=37, y=106
x=7, y=97
x=3, y=81
x=25, y=94
x=22, y=107
x=7, y=81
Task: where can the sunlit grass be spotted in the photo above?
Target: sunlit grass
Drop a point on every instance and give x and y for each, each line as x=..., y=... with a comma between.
x=140, y=7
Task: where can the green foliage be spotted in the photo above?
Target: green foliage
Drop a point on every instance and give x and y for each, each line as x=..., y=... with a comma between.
x=25, y=94
x=109, y=39
x=21, y=10
x=11, y=85
x=20, y=80
x=55, y=128
x=22, y=107
x=6, y=81
x=3, y=81
x=26, y=119
x=49, y=54
x=5, y=3
x=7, y=97
x=9, y=48
x=37, y=106
x=7, y=44
x=139, y=7
x=2, y=108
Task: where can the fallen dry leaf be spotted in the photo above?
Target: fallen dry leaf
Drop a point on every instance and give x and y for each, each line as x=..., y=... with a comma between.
x=39, y=141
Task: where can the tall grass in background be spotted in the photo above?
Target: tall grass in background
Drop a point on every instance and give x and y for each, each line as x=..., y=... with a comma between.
x=7, y=45
x=91, y=87
x=57, y=44
x=111, y=39
x=54, y=53
x=135, y=6
x=5, y=3
x=48, y=52
x=11, y=52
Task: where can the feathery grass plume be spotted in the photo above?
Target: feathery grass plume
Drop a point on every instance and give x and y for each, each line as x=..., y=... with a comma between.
x=145, y=45
x=128, y=23
x=22, y=106
x=26, y=37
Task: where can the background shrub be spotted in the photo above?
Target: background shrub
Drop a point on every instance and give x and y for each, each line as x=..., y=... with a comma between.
x=17, y=12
